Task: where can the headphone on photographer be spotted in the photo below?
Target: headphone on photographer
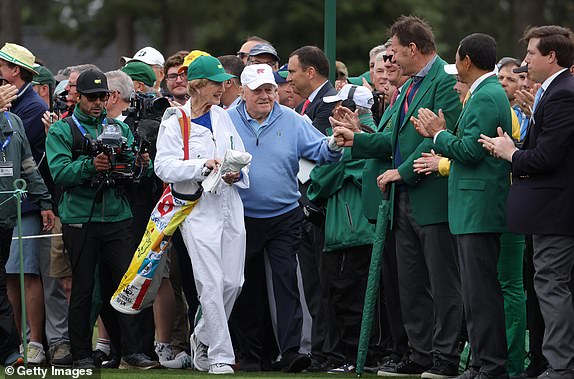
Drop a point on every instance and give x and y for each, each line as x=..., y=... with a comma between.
x=349, y=102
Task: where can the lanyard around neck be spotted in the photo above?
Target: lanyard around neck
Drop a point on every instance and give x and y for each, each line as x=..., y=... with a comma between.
x=7, y=141
x=82, y=129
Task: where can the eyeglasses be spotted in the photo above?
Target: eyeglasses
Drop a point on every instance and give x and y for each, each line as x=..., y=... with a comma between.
x=95, y=96
x=242, y=55
x=173, y=77
x=388, y=58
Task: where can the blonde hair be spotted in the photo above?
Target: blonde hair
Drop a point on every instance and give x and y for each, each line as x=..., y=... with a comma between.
x=193, y=86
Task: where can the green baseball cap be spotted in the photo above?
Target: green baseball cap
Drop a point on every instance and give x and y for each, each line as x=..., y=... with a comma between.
x=358, y=80
x=141, y=72
x=44, y=76
x=207, y=67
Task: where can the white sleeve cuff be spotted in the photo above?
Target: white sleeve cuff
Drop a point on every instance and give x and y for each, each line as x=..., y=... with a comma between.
x=436, y=135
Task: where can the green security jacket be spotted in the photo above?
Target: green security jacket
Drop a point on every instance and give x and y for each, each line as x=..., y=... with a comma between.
x=18, y=152
x=338, y=186
x=478, y=183
x=374, y=167
x=427, y=193
x=78, y=198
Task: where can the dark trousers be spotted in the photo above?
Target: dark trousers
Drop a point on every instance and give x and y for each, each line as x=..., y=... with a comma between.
x=279, y=238
x=9, y=338
x=483, y=301
x=534, y=320
x=429, y=284
x=110, y=244
x=554, y=262
x=399, y=343
x=346, y=273
x=323, y=333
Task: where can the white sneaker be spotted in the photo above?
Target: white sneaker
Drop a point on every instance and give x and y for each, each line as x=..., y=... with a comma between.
x=181, y=361
x=199, y=351
x=163, y=351
x=221, y=368
x=36, y=355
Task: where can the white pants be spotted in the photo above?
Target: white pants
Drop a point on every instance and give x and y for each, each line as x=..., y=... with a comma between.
x=214, y=234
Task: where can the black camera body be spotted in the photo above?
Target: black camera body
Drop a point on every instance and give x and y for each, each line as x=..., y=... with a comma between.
x=143, y=116
x=60, y=104
x=113, y=144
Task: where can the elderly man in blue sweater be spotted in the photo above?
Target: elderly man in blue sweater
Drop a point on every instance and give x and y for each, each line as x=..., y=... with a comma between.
x=277, y=137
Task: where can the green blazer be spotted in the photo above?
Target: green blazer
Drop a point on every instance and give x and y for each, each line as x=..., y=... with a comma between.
x=478, y=183
x=371, y=195
x=427, y=193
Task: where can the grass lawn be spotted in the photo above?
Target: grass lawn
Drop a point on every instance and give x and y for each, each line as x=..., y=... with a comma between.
x=176, y=374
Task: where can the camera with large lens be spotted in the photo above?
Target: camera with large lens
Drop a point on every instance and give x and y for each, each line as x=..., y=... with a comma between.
x=114, y=145
x=59, y=104
x=143, y=116
x=376, y=109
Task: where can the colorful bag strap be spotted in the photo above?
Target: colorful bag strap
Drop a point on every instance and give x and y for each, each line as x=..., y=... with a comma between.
x=184, y=124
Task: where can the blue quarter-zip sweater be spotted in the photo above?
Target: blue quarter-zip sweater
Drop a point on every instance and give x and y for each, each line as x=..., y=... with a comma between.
x=276, y=147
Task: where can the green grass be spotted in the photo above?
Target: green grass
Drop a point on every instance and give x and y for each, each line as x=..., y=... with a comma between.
x=176, y=374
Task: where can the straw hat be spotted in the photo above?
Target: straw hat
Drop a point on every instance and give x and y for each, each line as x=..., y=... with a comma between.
x=19, y=56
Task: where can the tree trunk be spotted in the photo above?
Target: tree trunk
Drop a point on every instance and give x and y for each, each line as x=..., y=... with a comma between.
x=526, y=13
x=125, y=34
x=10, y=30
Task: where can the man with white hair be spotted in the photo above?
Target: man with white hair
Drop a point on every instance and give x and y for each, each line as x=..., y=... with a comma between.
x=153, y=58
x=277, y=137
x=121, y=88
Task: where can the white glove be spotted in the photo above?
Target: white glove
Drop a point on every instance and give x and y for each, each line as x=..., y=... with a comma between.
x=333, y=145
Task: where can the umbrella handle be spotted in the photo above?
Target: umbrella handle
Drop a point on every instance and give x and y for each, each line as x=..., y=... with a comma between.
x=387, y=194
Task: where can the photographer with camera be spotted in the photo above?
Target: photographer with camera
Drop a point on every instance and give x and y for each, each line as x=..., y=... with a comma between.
x=96, y=216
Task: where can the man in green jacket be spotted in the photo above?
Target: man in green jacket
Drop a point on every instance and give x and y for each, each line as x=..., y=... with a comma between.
x=372, y=196
x=96, y=222
x=16, y=162
x=429, y=282
x=478, y=188
x=348, y=234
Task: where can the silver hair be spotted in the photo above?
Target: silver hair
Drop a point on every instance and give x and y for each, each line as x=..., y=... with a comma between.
x=380, y=56
x=82, y=67
x=121, y=82
x=376, y=50
x=363, y=110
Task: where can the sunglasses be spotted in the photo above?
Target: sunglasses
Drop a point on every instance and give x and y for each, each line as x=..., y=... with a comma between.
x=241, y=54
x=387, y=58
x=95, y=96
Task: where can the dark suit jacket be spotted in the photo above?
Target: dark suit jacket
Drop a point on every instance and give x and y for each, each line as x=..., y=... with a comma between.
x=319, y=111
x=541, y=198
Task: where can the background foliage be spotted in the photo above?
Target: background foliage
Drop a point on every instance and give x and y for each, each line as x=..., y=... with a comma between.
x=220, y=26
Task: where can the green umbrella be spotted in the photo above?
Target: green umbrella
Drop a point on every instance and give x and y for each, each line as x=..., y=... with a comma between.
x=373, y=282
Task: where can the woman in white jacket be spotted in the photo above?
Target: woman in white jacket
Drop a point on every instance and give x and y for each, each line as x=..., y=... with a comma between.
x=214, y=231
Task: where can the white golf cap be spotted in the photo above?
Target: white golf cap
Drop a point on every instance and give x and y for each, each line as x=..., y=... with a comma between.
x=255, y=75
x=362, y=96
x=450, y=69
x=147, y=55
